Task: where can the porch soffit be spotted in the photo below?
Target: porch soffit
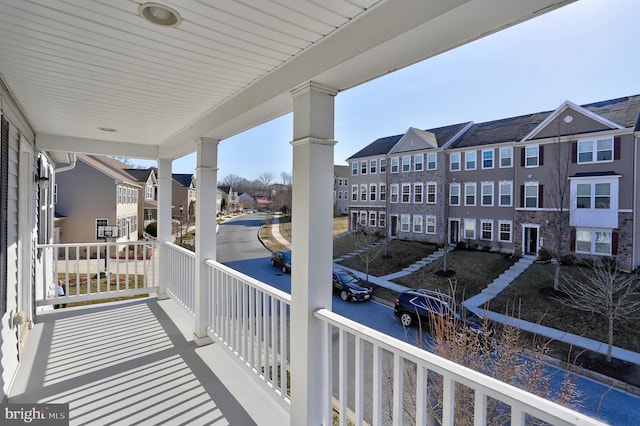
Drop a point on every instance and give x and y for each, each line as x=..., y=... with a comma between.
x=76, y=67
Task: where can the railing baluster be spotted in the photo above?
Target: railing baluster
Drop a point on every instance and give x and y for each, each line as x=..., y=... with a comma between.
x=342, y=375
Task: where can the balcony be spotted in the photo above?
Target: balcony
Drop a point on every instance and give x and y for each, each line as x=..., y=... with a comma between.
x=134, y=361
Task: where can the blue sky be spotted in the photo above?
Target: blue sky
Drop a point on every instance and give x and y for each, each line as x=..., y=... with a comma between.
x=585, y=52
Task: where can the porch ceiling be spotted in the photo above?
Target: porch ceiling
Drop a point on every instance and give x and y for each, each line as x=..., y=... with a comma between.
x=76, y=66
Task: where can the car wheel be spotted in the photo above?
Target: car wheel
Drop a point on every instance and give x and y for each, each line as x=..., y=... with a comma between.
x=273, y=262
x=284, y=269
x=344, y=295
x=406, y=319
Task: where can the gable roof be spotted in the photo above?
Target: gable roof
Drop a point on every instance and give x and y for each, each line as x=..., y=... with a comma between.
x=108, y=166
x=141, y=175
x=183, y=179
x=380, y=146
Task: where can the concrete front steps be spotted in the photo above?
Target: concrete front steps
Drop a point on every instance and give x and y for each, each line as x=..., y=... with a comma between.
x=417, y=265
x=502, y=282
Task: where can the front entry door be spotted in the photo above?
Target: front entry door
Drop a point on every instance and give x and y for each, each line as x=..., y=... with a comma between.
x=454, y=231
x=394, y=226
x=530, y=240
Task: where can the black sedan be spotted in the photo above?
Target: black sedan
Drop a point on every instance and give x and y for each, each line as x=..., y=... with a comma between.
x=350, y=286
x=281, y=259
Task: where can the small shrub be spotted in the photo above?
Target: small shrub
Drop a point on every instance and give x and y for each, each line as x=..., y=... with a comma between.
x=544, y=255
x=568, y=260
x=152, y=229
x=461, y=245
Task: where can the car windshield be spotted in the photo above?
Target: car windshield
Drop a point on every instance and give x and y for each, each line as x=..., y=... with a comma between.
x=347, y=278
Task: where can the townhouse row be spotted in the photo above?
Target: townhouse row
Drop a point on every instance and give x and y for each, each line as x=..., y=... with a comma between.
x=566, y=180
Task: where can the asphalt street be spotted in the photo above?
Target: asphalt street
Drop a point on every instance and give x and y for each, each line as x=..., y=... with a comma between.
x=240, y=249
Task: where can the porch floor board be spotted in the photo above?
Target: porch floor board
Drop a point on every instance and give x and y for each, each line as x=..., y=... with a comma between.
x=129, y=363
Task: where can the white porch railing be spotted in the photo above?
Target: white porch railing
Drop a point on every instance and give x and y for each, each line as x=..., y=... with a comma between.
x=94, y=271
x=404, y=384
x=252, y=320
x=179, y=271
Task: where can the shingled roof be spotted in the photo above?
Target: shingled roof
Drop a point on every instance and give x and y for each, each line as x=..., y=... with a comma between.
x=378, y=147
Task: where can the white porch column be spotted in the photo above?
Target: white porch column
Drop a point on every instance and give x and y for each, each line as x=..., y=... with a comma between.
x=164, y=221
x=312, y=248
x=206, y=185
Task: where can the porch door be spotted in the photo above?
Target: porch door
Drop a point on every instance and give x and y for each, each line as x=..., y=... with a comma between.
x=454, y=231
x=354, y=221
x=530, y=240
x=394, y=226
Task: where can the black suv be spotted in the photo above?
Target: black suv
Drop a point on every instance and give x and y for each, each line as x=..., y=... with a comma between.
x=350, y=286
x=423, y=305
x=282, y=260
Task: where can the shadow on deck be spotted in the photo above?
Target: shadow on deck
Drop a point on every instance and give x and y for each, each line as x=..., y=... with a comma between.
x=131, y=363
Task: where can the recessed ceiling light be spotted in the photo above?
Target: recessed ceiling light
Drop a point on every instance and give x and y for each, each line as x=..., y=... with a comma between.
x=107, y=129
x=159, y=14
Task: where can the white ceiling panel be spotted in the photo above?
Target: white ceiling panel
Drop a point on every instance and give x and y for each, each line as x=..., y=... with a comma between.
x=76, y=66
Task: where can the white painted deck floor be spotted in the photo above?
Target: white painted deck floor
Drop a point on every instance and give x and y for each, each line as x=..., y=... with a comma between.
x=134, y=363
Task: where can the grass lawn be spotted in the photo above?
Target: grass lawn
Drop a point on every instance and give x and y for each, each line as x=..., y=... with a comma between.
x=340, y=225
x=81, y=288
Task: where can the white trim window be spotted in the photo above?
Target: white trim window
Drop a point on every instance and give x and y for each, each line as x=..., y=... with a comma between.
x=382, y=219
x=405, y=220
x=432, y=195
x=383, y=165
x=148, y=191
x=373, y=165
x=394, y=192
x=363, y=167
x=363, y=218
x=487, y=159
x=506, y=194
x=395, y=164
x=470, y=160
x=486, y=229
x=531, y=195
x=531, y=156
x=506, y=157
x=406, y=192
x=354, y=192
x=383, y=192
x=372, y=192
x=454, y=194
x=593, y=195
x=486, y=188
x=406, y=163
x=469, y=193
x=432, y=161
x=595, y=151
x=505, y=228
x=454, y=161
x=417, y=224
x=372, y=219
x=418, y=162
x=417, y=193
x=594, y=241
x=430, y=224
x=354, y=168
x=363, y=192
x=470, y=229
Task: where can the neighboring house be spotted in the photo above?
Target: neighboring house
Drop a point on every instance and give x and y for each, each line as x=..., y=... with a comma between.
x=262, y=204
x=183, y=192
x=231, y=198
x=246, y=201
x=97, y=192
x=340, y=190
x=564, y=180
x=148, y=208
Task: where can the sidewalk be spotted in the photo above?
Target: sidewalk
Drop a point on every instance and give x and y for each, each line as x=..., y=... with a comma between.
x=476, y=303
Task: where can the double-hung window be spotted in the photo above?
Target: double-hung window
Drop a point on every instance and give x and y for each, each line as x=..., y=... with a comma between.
x=373, y=165
x=486, y=229
x=395, y=161
x=363, y=167
x=404, y=222
x=431, y=192
x=372, y=219
x=354, y=192
x=531, y=195
x=354, y=168
x=454, y=161
x=487, y=193
x=417, y=193
x=506, y=193
x=506, y=156
x=383, y=192
x=363, y=192
x=594, y=241
x=504, y=231
x=531, y=157
x=406, y=163
x=406, y=192
x=470, y=160
x=454, y=194
x=487, y=159
x=431, y=161
x=382, y=219
x=418, y=162
x=470, y=229
x=372, y=192
x=593, y=195
x=383, y=165
x=470, y=194
x=394, y=193
x=417, y=224
x=431, y=224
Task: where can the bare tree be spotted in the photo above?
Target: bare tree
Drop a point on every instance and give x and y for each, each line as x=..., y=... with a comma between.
x=558, y=180
x=232, y=180
x=287, y=179
x=364, y=240
x=603, y=288
x=265, y=179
